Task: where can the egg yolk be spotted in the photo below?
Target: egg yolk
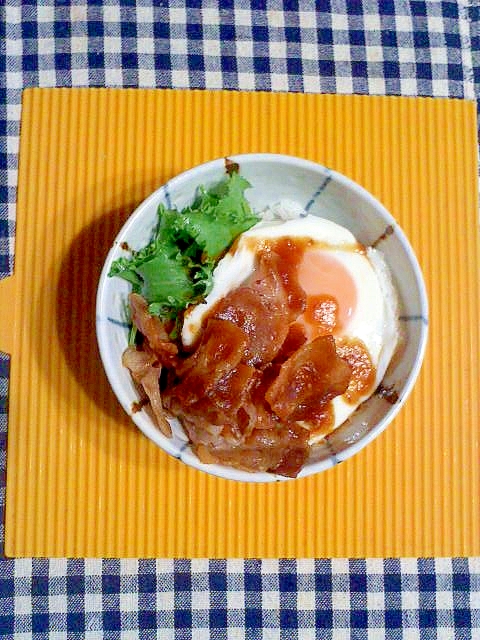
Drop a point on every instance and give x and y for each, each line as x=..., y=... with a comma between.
x=331, y=293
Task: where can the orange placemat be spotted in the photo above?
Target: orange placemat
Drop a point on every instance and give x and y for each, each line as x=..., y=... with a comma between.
x=82, y=481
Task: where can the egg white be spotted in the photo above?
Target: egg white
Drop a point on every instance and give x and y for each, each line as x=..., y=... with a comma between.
x=374, y=320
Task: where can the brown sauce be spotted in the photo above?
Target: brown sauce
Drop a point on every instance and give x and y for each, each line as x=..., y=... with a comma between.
x=388, y=393
x=231, y=166
x=322, y=313
x=323, y=422
x=363, y=370
x=138, y=406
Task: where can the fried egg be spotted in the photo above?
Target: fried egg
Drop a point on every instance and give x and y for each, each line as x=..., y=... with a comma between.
x=349, y=290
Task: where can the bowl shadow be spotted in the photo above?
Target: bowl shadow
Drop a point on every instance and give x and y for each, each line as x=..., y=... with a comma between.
x=75, y=301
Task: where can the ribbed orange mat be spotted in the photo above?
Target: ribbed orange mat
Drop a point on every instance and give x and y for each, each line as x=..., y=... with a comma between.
x=82, y=481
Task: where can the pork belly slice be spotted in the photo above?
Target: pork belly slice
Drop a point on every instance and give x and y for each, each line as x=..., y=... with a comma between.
x=310, y=378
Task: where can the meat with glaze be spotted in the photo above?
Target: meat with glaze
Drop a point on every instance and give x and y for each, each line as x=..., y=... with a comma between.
x=264, y=307
x=145, y=370
x=252, y=389
x=310, y=378
x=152, y=329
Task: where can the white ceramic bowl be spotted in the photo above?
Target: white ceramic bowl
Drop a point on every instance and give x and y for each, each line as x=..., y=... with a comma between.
x=327, y=194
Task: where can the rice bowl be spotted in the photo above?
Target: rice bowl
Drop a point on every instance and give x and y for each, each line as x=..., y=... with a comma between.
x=325, y=194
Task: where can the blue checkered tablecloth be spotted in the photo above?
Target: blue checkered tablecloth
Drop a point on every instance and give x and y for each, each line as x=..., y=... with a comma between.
x=388, y=47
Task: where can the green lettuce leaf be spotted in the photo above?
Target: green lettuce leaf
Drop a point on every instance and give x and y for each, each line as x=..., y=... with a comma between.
x=175, y=269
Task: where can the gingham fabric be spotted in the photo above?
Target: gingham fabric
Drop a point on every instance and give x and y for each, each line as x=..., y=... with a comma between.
x=237, y=599
x=391, y=47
